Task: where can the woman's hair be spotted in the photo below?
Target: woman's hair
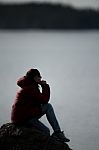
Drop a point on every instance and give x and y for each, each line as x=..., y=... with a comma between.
x=32, y=73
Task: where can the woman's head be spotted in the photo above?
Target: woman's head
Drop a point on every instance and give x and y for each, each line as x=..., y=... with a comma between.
x=33, y=75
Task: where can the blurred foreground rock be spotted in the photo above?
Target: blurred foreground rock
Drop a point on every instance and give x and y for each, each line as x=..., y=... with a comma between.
x=22, y=138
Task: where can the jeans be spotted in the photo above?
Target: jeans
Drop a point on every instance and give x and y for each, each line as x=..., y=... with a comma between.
x=48, y=110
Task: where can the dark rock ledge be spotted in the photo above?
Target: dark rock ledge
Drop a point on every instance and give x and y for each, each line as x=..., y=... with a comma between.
x=22, y=138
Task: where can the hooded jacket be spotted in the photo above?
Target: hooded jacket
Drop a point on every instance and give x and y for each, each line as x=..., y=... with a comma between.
x=28, y=101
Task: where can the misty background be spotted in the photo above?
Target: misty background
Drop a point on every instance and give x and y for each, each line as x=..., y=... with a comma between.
x=69, y=62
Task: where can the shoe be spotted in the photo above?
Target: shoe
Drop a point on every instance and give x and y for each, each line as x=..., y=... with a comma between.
x=60, y=136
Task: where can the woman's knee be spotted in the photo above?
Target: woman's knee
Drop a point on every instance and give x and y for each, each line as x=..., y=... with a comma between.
x=49, y=106
x=46, y=107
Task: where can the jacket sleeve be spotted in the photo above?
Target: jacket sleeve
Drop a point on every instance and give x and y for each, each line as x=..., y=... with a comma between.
x=44, y=96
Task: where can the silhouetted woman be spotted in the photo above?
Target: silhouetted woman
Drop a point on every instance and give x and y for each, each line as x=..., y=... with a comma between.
x=31, y=104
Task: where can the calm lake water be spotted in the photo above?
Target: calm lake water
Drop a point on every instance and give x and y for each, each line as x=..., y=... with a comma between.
x=69, y=62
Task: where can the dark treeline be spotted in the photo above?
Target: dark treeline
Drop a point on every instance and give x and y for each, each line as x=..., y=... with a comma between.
x=47, y=16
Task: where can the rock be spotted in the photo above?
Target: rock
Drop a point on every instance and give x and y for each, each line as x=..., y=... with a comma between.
x=23, y=138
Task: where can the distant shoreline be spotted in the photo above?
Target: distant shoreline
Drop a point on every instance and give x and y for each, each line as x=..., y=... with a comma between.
x=46, y=16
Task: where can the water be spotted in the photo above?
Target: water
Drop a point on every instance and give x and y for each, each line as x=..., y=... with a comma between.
x=69, y=61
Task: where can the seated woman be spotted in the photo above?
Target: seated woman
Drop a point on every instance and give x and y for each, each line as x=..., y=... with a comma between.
x=31, y=104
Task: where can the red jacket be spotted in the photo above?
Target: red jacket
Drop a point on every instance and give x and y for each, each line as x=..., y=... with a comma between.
x=28, y=101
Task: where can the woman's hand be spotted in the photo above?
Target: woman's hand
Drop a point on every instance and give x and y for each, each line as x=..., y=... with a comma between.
x=42, y=82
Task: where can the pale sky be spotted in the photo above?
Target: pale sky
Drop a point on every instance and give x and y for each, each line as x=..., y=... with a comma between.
x=78, y=3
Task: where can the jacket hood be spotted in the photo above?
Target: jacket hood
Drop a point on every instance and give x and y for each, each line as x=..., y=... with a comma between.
x=23, y=82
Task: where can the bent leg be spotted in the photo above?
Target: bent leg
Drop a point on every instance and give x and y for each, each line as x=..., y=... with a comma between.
x=49, y=111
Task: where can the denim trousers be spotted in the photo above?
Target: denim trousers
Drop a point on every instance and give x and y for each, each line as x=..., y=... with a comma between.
x=47, y=110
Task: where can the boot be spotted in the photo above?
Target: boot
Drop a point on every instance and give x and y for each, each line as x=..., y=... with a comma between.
x=60, y=136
